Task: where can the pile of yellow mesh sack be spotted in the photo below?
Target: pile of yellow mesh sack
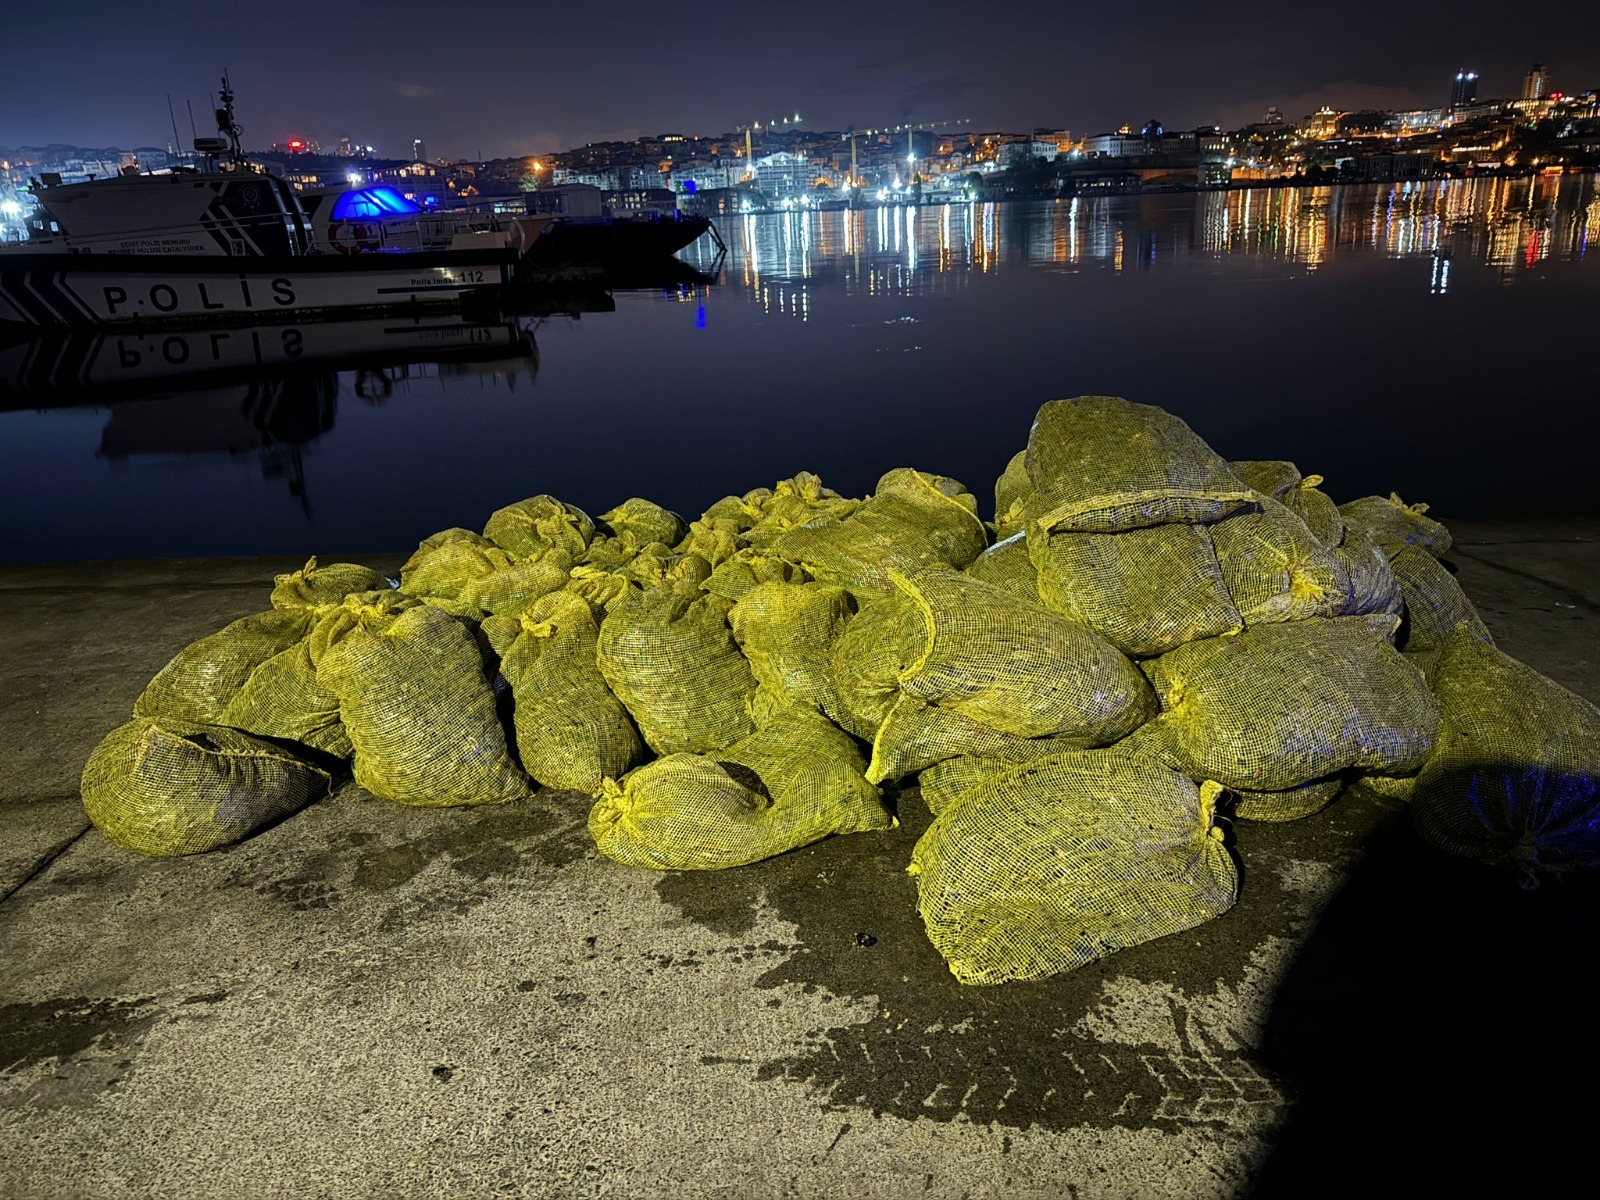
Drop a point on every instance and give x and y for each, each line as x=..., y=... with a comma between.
x=1146, y=640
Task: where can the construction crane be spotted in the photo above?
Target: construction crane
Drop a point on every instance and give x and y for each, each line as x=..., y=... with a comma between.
x=749, y=153
x=751, y=128
x=911, y=148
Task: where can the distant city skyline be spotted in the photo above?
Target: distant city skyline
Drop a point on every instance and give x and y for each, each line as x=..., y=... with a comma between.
x=492, y=83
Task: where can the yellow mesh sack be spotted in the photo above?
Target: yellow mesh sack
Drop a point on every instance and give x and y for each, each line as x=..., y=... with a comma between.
x=668, y=655
x=1275, y=568
x=282, y=699
x=529, y=528
x=799, y=759
x=1059, y=862
x=502, y=632
x=572, y=732
x=947, y=781
x=174, y=787
x=1435, y=605
x=714, y=539
x=794, y=783
x=1373, y=586
x=1394, y=524
x=469, y=576
x=602, y=588
x=875, y=647
x=736, y=514
x=1017, y=667
x=1289, y=805
x=914, y=735
x=914, y=520
x=612, y=552
x=1316, y=508
x=747, y=570
x=1099, y=464
x=1156, y=739
x=1146, y=591
x=455, y=536
x=1007, y=565
x=656, y=564
x=513, y=589
x=1426, y=663
x=1012, y=493
x=1270, y=476
x=444, y=565
x=649, y=566
x=419, y=711
x=1281, y=705
x=795, y=502
x=200, y=680
x=1514, y=780
x=642, y=522
x=787, y=632
x=313, y=587
x=361, y=608
x=1394, y=787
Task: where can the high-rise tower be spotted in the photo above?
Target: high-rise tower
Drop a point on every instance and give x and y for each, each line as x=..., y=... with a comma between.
x=419, y=152
x=1536, y=83
x=1465, y=89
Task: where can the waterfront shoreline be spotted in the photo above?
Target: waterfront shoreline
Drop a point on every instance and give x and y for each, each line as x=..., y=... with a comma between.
x=1245, y=185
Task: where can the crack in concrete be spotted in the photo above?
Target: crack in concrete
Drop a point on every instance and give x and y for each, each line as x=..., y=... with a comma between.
x=1578, y=598
x=46, y=860
x=158, y=586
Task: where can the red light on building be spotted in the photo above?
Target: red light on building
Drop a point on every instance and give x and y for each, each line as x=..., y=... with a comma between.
x=296, y=145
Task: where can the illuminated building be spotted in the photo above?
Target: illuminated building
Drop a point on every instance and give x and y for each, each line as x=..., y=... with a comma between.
x=1420, y=120
x=1465, y=89
x=1536, y=83
x=784, y=174
x=1012, y=153
x=704, y=174
x=419, y=152
x=1322, y=124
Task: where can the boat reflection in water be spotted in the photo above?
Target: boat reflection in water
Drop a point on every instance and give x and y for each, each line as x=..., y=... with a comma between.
x=266, y=391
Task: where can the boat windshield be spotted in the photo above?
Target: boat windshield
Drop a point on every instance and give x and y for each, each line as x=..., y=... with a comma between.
x=366, y=203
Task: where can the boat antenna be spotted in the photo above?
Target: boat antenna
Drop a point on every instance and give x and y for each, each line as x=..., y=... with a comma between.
x=226, y=125
x=177, y=142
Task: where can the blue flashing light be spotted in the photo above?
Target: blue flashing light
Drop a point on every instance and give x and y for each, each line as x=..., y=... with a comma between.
x=690, y=186
x=365, y=204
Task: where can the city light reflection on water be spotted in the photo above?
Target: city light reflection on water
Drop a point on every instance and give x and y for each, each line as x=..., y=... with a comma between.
x=1425, y=338
x=1510, y=225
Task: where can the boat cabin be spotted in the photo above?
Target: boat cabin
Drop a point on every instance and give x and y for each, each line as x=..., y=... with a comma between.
x=234, y=214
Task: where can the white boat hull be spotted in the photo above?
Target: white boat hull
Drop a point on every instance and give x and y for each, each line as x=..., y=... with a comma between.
x=51, y=290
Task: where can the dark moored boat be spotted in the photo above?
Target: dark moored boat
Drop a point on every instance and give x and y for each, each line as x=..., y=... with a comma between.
x=615, y=243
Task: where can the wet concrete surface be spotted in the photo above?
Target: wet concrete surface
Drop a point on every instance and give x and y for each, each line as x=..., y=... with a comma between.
x=369, y=999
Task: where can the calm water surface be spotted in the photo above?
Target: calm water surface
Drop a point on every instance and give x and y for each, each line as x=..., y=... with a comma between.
x=1436, y=340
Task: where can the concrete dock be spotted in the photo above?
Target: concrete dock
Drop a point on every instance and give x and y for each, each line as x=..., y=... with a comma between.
x=372, y=1000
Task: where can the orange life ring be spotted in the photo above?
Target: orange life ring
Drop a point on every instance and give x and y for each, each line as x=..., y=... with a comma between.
x=362, y=237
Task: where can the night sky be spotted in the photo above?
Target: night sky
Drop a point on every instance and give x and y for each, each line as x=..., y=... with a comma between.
x=481, y=79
